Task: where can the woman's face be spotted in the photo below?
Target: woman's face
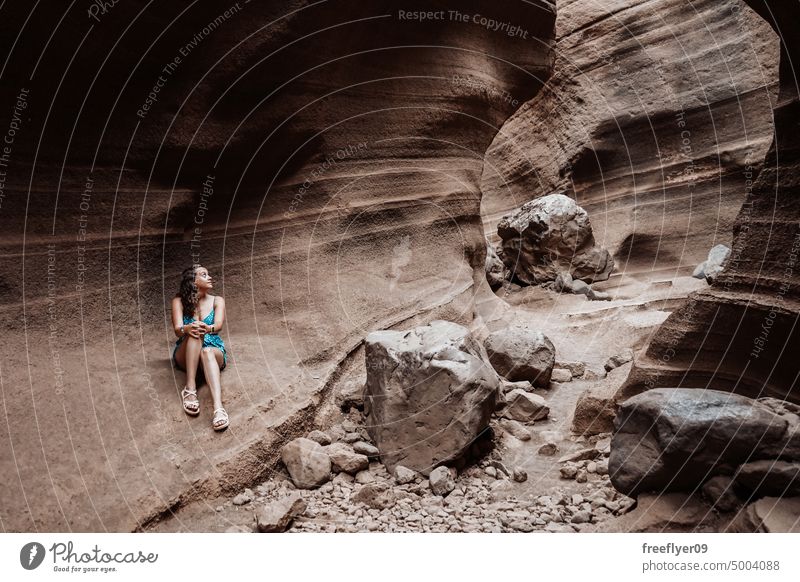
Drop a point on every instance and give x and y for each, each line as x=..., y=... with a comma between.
x=202, y=279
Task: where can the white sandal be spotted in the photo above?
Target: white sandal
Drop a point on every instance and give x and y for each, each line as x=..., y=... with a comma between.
x=220, y=414
x=196, y=402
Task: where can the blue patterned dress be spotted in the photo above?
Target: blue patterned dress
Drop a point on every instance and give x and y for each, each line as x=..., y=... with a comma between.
x=209, y=339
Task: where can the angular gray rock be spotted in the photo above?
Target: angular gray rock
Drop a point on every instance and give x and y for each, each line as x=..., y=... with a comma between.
x=714, y=264
x=430, y=392
x=308, y=464
x=345, y=459
x=525, y=407
x=442, y=480
x=515, y=429
x=619, y=359
x=673, y=439
x=404, y=475
x=363, y=448
x=277, y=516
x=519, y=353
x=320, y=437
x=551, y=235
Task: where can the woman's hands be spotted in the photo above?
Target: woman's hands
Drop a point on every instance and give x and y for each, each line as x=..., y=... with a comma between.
x=196, y=329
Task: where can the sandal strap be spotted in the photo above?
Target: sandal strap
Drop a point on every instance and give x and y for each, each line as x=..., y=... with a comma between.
x=222, y=413
x=188, y=392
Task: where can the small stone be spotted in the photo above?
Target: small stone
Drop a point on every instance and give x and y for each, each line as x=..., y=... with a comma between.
x=515, y=429
x=501, y=468
x=404, y=475
x=320, y=437
x=442, y=480
x=577, y=499
x=244, y=498
x=367, y=449
x=351, y=437
x=616, y=361
x=581, y=517
x=575, y=368
x=344, y=458
x=569, y=472
x=561, y=375
x=507, y=386
x=581, y=455
x=525, y=407
x=602, y=467
x=591, y=467
x=520, y=476
x=278, y=515
x=364, y=477
x=491, y=471
x=603, y=445
x=548, y=449
x=582, y=476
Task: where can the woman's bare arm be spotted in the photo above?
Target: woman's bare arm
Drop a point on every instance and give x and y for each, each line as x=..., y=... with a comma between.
x=177, y=316
x=219, y=314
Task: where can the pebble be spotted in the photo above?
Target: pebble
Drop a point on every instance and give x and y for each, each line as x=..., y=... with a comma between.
x=548, y=449
x=569, y=472
x=244, y=498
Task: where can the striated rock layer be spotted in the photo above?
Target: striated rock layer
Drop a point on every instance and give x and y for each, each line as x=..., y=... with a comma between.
x=742, y=334
x=323, y=160
x=656, y=118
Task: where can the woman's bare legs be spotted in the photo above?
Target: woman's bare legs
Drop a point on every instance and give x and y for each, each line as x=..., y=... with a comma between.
x=188, y=356
x=212, y=361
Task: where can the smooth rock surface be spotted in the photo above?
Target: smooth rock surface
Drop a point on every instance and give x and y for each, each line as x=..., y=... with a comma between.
x=430, y=392
x=548, y=236
x=307, y=462
x=519, y=353
x=675, y=439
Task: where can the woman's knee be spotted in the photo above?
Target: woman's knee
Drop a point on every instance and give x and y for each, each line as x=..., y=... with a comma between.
x=208, y=353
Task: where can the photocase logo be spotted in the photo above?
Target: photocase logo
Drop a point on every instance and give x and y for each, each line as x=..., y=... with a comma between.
x=31, y=555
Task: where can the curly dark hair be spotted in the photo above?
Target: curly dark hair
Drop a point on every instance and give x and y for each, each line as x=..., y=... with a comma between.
x=188, y=290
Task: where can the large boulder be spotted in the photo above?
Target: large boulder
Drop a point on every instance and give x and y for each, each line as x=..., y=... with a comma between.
x=430, y=392
x=519, y=353
x=673, y=439
x=308, y=464
x=551, y=235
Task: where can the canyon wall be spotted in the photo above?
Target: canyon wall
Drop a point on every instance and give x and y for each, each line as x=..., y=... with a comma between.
x=742, y=333
x=323, y=160
x=656, y=120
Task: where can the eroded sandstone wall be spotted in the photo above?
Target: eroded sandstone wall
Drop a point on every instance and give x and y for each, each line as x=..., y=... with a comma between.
x=656, y=120
x=742, y=333
x=323, y=160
